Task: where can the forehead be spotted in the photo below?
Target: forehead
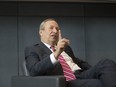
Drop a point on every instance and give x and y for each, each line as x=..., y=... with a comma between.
x=51, y=23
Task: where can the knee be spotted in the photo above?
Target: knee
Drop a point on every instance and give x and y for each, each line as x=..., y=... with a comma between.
x=108, y=64
x=107, y=61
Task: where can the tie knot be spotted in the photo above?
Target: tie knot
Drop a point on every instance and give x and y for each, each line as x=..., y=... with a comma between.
x=53, y=48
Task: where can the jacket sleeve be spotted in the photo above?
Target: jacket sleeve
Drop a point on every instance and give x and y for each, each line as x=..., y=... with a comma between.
x=36, y=63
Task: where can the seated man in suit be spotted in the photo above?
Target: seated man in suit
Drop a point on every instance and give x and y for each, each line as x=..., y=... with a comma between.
x=42, y=59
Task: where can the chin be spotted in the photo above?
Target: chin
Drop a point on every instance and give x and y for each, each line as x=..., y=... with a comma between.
x=54, y=41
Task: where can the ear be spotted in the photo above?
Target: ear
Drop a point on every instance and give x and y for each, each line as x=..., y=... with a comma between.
x=40, y=32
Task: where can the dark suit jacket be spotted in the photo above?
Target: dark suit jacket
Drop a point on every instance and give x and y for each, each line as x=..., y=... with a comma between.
x=38, y=61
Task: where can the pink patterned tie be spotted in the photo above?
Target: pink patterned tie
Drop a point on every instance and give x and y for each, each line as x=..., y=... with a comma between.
x=68, y=73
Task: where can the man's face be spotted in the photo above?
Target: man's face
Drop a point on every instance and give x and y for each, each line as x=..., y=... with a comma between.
x=50, y=32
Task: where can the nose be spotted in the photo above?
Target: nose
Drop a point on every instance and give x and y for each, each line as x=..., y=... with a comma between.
x=55, y=30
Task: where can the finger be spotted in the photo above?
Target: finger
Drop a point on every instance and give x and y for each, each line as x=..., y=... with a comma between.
x=60, y=36
x=66, y=41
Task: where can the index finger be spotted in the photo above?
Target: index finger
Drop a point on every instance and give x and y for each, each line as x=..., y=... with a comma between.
x=60, y=36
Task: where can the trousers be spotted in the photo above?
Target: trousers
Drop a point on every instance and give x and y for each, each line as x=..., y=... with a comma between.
x=103, y=74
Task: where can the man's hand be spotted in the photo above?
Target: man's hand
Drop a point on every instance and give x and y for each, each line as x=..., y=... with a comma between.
x=62, y=43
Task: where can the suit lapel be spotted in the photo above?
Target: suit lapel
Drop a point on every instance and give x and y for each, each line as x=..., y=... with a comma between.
x=42, y=50
x=45, y=48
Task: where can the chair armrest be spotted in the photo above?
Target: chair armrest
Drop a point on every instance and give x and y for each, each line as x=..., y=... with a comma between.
x=39, y=81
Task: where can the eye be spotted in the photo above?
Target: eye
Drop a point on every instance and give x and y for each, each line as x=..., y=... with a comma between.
x=51, y=27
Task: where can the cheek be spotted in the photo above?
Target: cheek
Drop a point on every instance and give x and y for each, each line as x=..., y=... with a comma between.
x=50, y=33
x=47, y=35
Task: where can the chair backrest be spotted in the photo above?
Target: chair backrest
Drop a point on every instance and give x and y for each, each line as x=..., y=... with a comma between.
x=24, y=69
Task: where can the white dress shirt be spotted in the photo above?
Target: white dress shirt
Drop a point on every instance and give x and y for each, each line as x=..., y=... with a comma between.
x=67, y=58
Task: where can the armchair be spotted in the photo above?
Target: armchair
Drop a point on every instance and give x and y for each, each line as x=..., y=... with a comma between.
x=38, y=81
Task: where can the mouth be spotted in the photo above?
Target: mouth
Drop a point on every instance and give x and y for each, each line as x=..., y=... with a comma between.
x=53, y=36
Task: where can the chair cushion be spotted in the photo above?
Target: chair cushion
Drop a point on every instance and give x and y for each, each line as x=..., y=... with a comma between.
x=39, y=81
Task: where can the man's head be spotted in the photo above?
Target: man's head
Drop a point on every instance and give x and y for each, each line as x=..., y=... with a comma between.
x=49, y=31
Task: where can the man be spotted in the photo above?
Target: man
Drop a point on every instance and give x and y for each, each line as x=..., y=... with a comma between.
x=42, y=60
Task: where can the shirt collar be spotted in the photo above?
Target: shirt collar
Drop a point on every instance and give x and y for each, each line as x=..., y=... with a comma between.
x=47, y=45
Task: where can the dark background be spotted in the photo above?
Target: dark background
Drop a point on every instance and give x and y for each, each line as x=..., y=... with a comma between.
x=90, y=26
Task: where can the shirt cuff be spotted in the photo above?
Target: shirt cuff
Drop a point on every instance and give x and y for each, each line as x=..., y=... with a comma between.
x=53, y=59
